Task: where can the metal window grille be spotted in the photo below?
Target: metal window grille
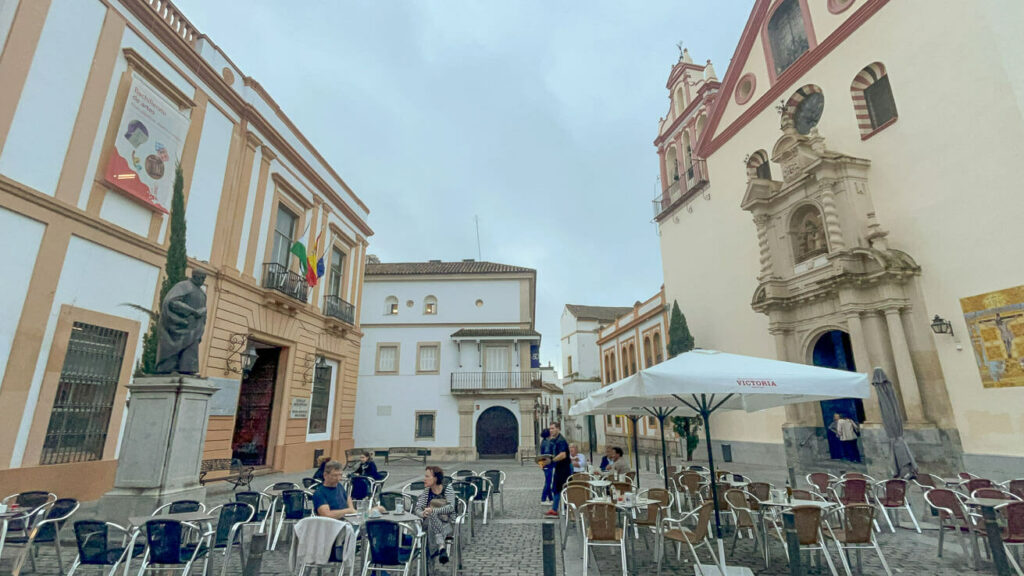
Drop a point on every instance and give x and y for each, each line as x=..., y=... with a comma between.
x=85, y=395
x=881, y=106
x=424, y=426
x=320, y=400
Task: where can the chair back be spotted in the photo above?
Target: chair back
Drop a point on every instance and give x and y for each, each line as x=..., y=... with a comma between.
x=1014, y=531
x=415, y=487
x=389, y=499
x=294, y=504
x=93, y=540
x=464, y=490
x=928, y=481
x=994, y=493
x=946, y=502
x=360, y=487
x=621, y=486
x=692, y=481
x=723, y=474
x=496, y=480
x=722, y=488
x=579, y=477
x=254, y=499
x=895, y=493
x=462, y=474
x=33, y=499
x=577, y=495
x=664, y=500
x=230, y=514
x=383, y=475
x=808, y=521
x=308, y=483
x=282, y=486
x=698, y=468
x=704, y=519
x=1016, y=487
x=184, y=506
x=852, y=490
x=483, y=486
x=59, y=513
x=820, y=480
x=164, y=539
x=760, y=490
x=385, y=538
x=738, y=503
x=965, y=475
x=857, y=523
x=631, y=475
x=803, y=495
x=601, y=520
x=976, y=483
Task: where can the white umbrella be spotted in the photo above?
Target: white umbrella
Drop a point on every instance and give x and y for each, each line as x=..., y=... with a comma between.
x=700, y=382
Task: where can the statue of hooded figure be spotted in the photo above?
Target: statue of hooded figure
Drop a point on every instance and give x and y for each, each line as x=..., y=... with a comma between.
x=181, y=325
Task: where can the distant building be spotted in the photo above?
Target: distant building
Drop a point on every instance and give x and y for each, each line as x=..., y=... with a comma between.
x=450, y=359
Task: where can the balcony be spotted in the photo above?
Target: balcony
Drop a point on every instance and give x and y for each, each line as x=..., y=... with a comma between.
x=279, y=278
x=337, y=308
x=694, y=178
x=475, y=382
x=663, y=201
x=696, y=175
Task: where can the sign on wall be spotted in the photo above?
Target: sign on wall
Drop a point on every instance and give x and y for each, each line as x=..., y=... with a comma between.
x=224, y=401
x=299, y=408
x=995, y=325
x=147, y=146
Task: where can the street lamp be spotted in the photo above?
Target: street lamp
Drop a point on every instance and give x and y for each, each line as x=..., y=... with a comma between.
x=941, y=326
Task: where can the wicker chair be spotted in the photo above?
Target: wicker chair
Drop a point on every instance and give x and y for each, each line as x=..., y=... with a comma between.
x=600, y=527
x=621, y=486
x=739, y=504
x=688, y=485
x=859, y=476
x=631, y=476
x=894, y=497
x=854, y=533
x=1015, y=487
x=724, y=509
x=808, y=495
x=673, y=529
x=574, y=497
x=758, y=492
x=821, y=481
x=952, y=516
x=969, y=486
x=808, y=529
x=655, y=512
x=1013, y=533
x=994, y=494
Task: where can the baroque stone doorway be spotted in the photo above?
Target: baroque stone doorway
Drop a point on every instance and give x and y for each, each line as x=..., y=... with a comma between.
x=833, y=350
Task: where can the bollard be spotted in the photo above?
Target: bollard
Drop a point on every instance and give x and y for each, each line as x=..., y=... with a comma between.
x=995, y=541
x=792, y=543
x=252, y=562
x=548, y=544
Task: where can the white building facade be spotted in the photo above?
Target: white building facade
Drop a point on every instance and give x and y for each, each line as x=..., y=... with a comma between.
x=450, y=359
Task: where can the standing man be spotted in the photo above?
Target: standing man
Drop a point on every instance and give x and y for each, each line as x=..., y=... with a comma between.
x=847, y=430
x=563, y=465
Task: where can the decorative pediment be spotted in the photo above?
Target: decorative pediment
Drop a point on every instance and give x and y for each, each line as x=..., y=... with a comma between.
x=759, y=193
x=795, y=152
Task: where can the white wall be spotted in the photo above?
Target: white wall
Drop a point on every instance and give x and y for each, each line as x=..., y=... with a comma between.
x=456, y=301
x=207, y=183
x=250, y=207
x=16, y=270
x=93, y=278
x=41, y=130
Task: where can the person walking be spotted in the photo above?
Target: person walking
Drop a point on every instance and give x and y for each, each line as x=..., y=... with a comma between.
x=549, y=469
x=562, y=464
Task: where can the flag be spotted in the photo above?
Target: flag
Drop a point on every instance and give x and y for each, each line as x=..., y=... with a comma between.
x=314, y=268
x=299, y=249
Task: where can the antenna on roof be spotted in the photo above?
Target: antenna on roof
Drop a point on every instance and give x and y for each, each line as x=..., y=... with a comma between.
x=479, y=256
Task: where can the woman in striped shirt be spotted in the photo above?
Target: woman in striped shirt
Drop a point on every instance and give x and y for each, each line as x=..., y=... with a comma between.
x=436, y=517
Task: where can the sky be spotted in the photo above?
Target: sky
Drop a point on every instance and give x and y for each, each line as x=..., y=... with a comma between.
x=535, y=117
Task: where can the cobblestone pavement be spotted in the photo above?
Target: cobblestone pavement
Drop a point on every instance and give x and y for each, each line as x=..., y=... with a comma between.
x=509, y=545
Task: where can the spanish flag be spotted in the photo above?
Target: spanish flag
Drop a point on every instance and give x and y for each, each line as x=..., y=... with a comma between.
x=312, y=262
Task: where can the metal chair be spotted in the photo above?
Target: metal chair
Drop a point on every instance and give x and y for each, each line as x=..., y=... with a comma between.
x=859, y=476
x=853, y=490
x=389, y=499
x=461, y=509
x=724, y=510
x=483, y=494
x=168, y=546
x=1015, y=487
x=894, y=497
x=631, y=476
x=654, y=512
x=808, y=529
x=739, y=503
x=574, y=497
x=413, y=489
x=688, y=485
x=821, y=481
x=28, y=504
x=673, y=529
x=45, y=529
x=699, y=468
x=97, y=548
x=389, y=547
x=854, y=533
x=309, y=483
x=599, y=523
x=462, y=474
x=952, y=515
x=808, y=495
x=497, y=478
x=180, y=507
x=969, y=486
x=621, y=486
x=966, y=475
x=361, y=488
x=230, y=519
x=297, y=505
x=466, y=491
x=338, y=552
x=260, y=504
x=995, y=494
x=1013, y=533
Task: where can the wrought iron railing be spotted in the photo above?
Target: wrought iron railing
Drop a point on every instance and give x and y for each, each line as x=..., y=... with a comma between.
x=278, y=277
x=471, y=381
x=335, y=307
x=663, y=201
x=696, y=175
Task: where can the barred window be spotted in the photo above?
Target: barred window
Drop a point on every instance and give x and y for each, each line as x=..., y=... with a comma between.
x=787, y=36
x=425, y=425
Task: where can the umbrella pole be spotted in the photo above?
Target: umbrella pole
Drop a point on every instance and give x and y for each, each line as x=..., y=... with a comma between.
x=705, y=413
x=636, y=452
x=664, y=450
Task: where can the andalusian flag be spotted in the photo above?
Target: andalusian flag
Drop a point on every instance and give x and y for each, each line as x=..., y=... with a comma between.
x=311, y=263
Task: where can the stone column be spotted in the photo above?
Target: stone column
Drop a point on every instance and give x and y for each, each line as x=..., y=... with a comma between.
x=862, y=359
x=831, y=216
x=764, y=253
x=466, y=408
x=904, y=367
x=526, y=423
x=162, y=447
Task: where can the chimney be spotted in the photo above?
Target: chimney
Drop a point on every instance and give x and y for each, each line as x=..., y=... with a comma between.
x=435, y=261
x=468, y=260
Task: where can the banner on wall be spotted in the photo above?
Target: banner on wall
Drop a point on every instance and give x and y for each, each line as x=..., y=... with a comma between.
x=147, y=146
x=995, y=325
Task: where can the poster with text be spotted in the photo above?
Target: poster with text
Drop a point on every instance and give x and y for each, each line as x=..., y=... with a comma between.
x=995, y=325
x=147, y=146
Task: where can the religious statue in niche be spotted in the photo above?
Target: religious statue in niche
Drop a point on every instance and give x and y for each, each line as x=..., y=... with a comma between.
x=181, y=325
x=808, y=234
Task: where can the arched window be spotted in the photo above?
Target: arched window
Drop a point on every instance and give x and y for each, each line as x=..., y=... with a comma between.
x=658, y=354
x=632, y=358
x=391, y=306
x=700, y=125
x=678, y=101
x=430, y=305
x=872, y=99
x=648, y=358
x=672, y=164
x=787, y=35
x=807, y=233
x=804, y=108
x=687, y=156
x=758, y=167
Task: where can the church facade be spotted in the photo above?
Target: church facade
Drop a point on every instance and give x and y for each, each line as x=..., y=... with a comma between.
x=858, y=212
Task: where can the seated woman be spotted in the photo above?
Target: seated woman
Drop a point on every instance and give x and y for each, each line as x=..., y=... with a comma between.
x=436, y=505
x=367, y=467
x=319, y=474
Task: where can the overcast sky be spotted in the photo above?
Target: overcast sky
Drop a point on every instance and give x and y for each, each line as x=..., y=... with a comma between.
x=538, y=117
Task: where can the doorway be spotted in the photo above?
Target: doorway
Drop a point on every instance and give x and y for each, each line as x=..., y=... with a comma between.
x=497, y=433
x=833, y=350
x=255, y=407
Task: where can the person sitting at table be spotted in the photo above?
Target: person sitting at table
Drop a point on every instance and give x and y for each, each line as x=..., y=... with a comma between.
x=330, y=499
x=319, y=474
x=618, y=464
x=579, y=461
x=367, y=467
x=606, y=460
x=436, y=505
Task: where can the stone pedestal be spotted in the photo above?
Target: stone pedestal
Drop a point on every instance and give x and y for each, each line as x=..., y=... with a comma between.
x=162, y=448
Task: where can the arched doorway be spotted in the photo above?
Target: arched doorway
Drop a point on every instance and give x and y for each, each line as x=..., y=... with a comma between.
x=497, y=433
x=833, y=350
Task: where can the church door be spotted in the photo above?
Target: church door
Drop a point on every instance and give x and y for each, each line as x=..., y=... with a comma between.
x=833, y=350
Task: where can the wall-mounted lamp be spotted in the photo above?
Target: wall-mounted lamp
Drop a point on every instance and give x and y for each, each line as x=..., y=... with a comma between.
x=313, y=361
x=941, y=326
x=242, y=356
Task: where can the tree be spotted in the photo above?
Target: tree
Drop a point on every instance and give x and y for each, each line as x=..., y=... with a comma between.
x=679, y=338
x=174, y=271
x=687, y=427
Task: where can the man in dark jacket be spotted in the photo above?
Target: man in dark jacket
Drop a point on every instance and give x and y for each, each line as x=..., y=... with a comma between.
x=545, y=450
x=562, y=464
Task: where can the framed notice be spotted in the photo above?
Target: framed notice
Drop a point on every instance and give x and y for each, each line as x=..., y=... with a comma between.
x=995, y=325
x=147, y=146
x=299, y=408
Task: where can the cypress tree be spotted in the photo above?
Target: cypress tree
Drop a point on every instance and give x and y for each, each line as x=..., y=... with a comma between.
x=174, y=270
x=679, y=338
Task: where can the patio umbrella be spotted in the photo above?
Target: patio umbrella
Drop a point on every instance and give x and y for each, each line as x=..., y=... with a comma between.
x=586, y=407
x=903, y=459
x=701, y=382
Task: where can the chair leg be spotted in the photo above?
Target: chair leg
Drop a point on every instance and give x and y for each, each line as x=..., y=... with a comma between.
x=625, y=568
x=843, y=558
x=60, y=557
x=1009, y=557
x=881, y=558
x=885, y=512
x=942, y=534
x=828, y=560
x=913, y=518
x=661, y=555
x=586, y=558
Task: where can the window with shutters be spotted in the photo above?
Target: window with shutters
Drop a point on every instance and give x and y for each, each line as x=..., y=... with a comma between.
x=284, y=235
x=425, y=425
x=337, y=274
x=387, y=358
x=428, y=360
x=787, y=35
x=80, y=418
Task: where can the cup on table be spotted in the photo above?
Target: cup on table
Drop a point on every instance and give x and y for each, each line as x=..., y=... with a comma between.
x=3, y=508
x=399, y=507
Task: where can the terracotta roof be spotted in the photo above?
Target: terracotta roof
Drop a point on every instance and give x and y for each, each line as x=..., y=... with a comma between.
x=439, y=267
x=496, y=333
x=599, y=313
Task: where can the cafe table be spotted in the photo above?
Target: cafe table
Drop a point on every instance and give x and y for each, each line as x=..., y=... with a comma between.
x=10, y=515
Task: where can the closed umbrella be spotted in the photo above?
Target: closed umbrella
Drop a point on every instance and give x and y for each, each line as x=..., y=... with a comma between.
x=892, y=420
x=701, y=382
